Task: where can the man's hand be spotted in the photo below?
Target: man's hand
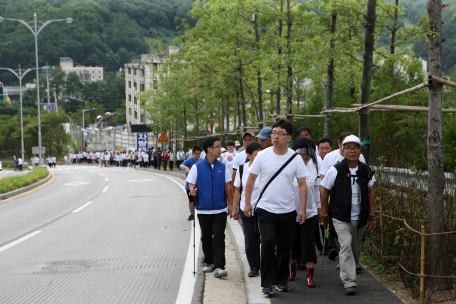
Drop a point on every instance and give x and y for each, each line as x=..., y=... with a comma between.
x=325, y=219
x=302, y=216
x=230, y=212
x=193, y=191
x=235, y=214
x=370, y=222
x=248, y=210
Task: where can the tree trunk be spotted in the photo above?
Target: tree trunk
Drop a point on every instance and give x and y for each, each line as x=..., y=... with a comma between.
x=280, y=64
x=223, y=126
x=212, y=123
x=197, y=122
x=368, y=61
x=289, y=68
x=227, y=116
x=329, y=89
x=436, y=179
x=185, y=126
x=241, y=91
x=395, y=28
x=260, y=83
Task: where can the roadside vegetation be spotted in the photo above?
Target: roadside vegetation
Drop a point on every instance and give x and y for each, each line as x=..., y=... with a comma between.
x=12, y=183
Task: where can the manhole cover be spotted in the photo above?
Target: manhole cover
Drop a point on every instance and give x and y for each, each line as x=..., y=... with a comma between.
x=66, y=268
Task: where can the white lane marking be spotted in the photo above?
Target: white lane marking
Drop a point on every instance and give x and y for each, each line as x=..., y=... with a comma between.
x=83, y=206
x=105, y=189
x=140, y=180
x=101, y=174
x=106, y=179
x=24, y=238
x=76, y=184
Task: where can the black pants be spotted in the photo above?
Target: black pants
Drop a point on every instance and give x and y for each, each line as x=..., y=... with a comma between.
x=252, y=244
x=213, y=238
x=308, y=239
x=158, y=164
x=155, y=163
x=171, y=165
x=276, y=233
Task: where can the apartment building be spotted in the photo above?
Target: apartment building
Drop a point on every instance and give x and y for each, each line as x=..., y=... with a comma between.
x=142, y=75
x=85, y=73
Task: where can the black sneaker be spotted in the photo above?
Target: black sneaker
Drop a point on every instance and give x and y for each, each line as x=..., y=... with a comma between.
x=333, y=253
x=191, y=217
x=359, y=269
x=283, y=287
x=268, y=289
x=254, y=273
x=350, y=291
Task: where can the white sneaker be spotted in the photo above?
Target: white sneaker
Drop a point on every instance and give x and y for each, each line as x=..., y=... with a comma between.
x=209, y=268
x=220, y=273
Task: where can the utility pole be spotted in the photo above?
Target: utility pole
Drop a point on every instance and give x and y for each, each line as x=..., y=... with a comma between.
x=329, y=85
x=48, y=92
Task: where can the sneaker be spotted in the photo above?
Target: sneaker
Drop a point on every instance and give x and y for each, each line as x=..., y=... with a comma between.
x=254, y=273
x=333, y=253
x=209, y=268
x=338, y=267
x=191, y=217
x=268, y=289
x=283, y=287
x=350, y=291
x=359, y=269
x=220, y=273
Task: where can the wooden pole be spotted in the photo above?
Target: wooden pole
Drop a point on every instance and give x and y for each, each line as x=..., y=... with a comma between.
x=441, y=80
x=400, y=108
x=422, y=294
x=381, y=231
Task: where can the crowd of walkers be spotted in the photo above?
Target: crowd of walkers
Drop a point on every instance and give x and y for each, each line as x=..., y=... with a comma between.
x=286, y=197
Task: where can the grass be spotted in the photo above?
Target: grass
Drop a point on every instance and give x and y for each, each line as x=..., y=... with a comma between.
x=12, y=183
x=10, y=164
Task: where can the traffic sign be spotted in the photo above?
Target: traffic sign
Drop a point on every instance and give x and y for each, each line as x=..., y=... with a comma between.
x=36, y=150
x=163, y=138
x=118, y=149
x=142, y=141
x=49, y=107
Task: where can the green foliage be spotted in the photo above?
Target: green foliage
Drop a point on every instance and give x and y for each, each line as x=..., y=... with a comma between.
x=11, y=164
x=12, y=183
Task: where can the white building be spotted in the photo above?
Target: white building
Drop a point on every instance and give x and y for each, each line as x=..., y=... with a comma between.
x=85, y=73
x=142, y=75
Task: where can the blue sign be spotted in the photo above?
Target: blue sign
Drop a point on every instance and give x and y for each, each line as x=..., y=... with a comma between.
x=142, y=141
x=49, y=107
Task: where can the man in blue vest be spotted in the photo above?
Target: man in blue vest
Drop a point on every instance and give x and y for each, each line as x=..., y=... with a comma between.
x=209, y=181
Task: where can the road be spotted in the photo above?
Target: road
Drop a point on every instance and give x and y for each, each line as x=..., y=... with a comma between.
x=95, y=236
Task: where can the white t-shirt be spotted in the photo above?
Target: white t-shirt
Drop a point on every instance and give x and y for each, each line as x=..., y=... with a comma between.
x=203, y=154
x=54, y=160
x=239, y=159
x=189, y=154
x=228, y=160
x=65, y=157
x=329, y=181
x=97, y=154
x=333, y=158
x=19, y=161
x=191, y=179
x=146, y=157
x=313, y=192
x=279, y=196
x=237, y=183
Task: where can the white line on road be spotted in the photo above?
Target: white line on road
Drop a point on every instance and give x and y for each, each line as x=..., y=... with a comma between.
x=24, y=238
x=105, y=189
x=106, y=179
x=101, y=174
x=83, y=206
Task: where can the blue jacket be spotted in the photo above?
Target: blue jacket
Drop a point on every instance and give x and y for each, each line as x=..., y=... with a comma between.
x=188, y=163
x=211, y=185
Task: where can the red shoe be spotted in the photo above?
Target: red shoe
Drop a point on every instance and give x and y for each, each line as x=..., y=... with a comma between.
x=309, y=277
x=292, y=272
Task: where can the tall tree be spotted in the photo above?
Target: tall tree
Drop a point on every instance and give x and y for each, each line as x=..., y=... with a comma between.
x=330, y=82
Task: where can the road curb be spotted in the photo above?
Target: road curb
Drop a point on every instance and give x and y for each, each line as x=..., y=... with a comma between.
x=25, y=189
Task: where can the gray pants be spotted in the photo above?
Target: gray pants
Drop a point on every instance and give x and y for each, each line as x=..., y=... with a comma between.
x=350, y=244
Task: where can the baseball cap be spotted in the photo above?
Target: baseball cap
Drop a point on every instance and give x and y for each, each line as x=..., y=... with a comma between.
x=249, y=133
x=223, y=150
x=352, y=139
x=237, y=143
x=265, y=133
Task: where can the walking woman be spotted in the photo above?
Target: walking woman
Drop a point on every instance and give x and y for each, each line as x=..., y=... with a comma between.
x=303, y=242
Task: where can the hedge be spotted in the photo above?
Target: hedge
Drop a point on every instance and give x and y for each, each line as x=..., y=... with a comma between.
x=12, y=183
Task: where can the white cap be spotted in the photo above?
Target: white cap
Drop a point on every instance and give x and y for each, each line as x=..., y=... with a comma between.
x=237, y=143
x=352, y=139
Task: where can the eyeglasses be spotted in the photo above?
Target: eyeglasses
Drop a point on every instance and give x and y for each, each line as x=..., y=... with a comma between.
x=278, y=134
x=216, y=147
x=352, y=149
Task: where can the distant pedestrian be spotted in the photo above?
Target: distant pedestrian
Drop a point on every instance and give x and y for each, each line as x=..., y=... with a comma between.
x=241, y=157
x=189, y=153
x=210, y=182
x=352, y=207
x=165, y=159
x=180, y=157
x=187, y=166
x=54, y=160
x=16, y=163
x=305, y=132
x=19, y=163
x=158, y=154
x=171, y=158
x=324, y=145
x=228, y=157
x=264, y=137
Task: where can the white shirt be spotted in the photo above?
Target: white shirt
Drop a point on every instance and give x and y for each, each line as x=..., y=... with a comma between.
x=54, y=159
x=203, y=154
x=239, y=160
x=65, y=157
x=279, y=196
x=333, y=158
x=97, y=154
x=189, y=154
x=19, y=161
x=237, y=183
x=37, y=160
x=191, y=179
x=146, y=157
x=228, y=160
x=313, y=192
x=329, y=181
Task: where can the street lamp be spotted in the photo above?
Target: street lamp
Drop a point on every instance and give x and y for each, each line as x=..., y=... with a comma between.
x=20, y=76
x=35, y=31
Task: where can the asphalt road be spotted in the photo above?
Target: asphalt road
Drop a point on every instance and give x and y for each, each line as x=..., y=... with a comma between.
x=95, y=236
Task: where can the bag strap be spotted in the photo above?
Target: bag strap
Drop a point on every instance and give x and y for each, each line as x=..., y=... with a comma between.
x=241, y=173
x=273, y=177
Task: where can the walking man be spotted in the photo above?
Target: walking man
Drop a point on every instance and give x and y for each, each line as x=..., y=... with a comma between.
x=186, y=166
x=264, y=137
x=210, y=181
x=350, y=183
x=275, y=209
x=241, y=158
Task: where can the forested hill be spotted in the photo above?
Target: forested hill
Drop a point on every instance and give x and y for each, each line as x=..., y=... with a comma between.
x=104, y=33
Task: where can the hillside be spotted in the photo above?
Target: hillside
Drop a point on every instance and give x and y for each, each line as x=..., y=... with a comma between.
x=104, y=33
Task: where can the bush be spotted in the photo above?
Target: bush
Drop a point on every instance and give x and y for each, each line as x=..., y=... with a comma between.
x=12, y=183
x=10, y=164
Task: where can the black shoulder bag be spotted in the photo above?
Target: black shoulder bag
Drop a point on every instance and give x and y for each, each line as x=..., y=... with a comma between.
x=255, y=216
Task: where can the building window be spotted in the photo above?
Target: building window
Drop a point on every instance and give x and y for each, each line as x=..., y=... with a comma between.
x=129, y=70
x=142, y=72
x=134, y=71
x=136, y=101
x=129, y=84
x=99, y=72
x=136, y=86
x=99, y=76
x=141, y=87
x=136, y=115
x=129, y=97
x=129, y=111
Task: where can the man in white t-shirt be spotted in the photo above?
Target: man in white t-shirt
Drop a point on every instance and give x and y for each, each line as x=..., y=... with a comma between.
x=189, y=153
x=276, y=210
x=241, y=157
x=350, y=183
x=210, y=179
x=252, y=244
x=305, y=132
x=228, y=157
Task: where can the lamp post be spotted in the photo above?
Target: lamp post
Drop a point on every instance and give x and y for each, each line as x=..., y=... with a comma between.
x=36, y=29
x=83, y=125
x=20, y=76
